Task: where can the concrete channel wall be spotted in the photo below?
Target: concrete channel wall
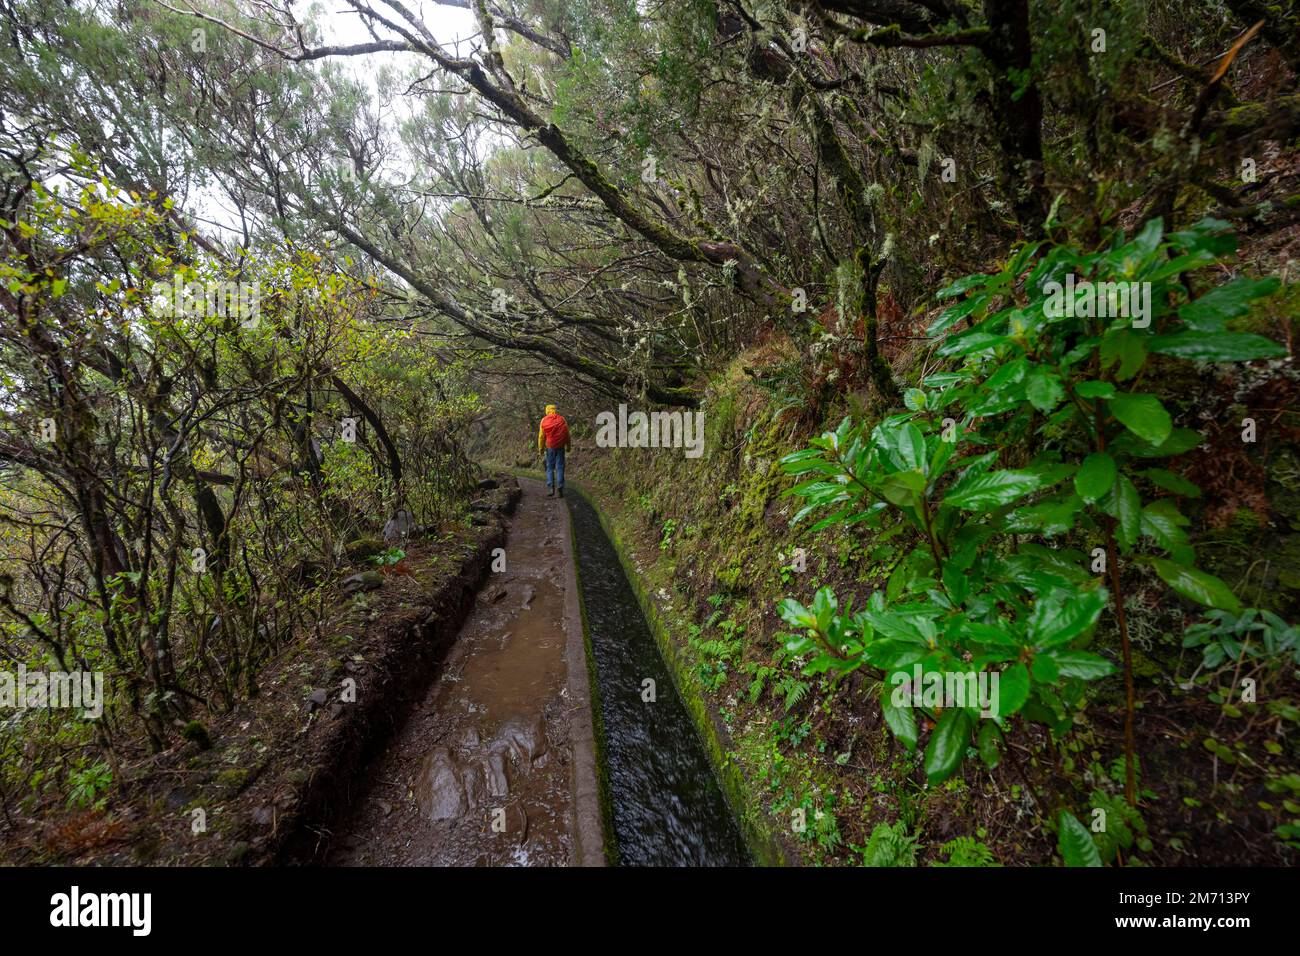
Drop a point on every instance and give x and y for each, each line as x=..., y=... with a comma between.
x=589, y=787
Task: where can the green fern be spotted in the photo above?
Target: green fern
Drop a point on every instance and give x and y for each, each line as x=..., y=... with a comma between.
x=966, y=851
x=890, y=845
x=1123, y=825
x=760, y=674
x=794, y=690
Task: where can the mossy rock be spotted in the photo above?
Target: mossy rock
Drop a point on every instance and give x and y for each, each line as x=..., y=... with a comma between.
x=196, y=733
x=362, y=549
x=1288, y=573
x=1235, y=551
x=232, y=780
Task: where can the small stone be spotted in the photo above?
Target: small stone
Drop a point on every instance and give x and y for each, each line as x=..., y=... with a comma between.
x=365, y=581
x=439, y=790
x=494, y=774
x=317, y=699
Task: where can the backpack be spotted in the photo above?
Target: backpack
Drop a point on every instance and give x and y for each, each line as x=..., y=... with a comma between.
x=557, y=431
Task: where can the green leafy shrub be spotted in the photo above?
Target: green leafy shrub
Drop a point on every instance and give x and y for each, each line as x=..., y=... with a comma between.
x=1225, y=637
x=387, y=557
x=1036, y=434
x=88, y=785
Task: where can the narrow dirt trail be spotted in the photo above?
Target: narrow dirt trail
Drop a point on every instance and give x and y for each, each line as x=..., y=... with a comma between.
x=495, y=766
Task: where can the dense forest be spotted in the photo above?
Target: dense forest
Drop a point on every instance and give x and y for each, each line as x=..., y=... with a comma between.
x=986, y=311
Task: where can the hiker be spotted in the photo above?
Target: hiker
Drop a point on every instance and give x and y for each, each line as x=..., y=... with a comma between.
x=553, y=440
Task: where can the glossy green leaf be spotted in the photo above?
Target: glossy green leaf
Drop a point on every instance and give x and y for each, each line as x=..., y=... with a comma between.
x=1143, y=415
x=1212, y=310
x=1164, y=523
x=955, y=313
x=961, y=285
x=1127, y=511
x=901, y=720
x=1216, y=346
x=903, y=488
x=1095, y=389
x=1128, y=348
x=1058, y=620
x=910, y=443
x=973, y=341
x=1075, y=842
x=1096, y=476
x=1008, y=373
x=1084, y=665
x=1045, y=669
x=947, y=744
x=992, y=489
x=987, y=743
x=1198, y=586
x=1013, y=690
x=1171, y=482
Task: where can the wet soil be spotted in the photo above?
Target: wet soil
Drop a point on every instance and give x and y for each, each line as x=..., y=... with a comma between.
x=483, y=771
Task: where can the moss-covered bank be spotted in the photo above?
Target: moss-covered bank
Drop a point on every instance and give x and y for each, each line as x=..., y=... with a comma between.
x=709, y=547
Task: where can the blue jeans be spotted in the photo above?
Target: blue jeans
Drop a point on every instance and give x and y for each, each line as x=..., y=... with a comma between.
x=555, y=468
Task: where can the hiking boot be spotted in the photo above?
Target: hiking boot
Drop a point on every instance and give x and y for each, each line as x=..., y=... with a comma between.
x=550, y=492
x=561, y=492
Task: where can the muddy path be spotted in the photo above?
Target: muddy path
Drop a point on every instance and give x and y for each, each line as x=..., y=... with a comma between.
x=495, y=766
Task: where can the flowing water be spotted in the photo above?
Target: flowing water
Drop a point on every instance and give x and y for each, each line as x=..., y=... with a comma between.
x=668, y=809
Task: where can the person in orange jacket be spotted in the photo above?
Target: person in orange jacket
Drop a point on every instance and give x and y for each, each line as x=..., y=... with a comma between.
x=553, y=441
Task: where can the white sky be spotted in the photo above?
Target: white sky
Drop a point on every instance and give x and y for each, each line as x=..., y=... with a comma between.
x=340, y=23
x=448, y=24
